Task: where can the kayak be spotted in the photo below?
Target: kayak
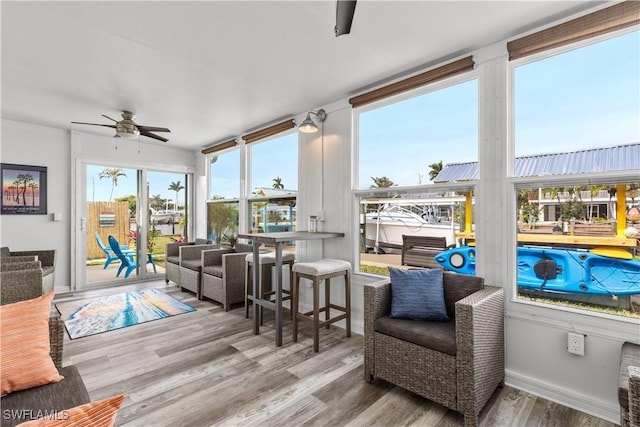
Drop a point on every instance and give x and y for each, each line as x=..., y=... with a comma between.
x=562, y=270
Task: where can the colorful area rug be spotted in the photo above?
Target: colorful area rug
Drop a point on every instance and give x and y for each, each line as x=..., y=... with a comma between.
x=96, y=315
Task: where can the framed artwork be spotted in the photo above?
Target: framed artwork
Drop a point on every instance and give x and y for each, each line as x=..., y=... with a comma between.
x=24, y=189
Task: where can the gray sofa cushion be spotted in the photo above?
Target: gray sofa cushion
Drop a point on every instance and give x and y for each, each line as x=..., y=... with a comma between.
x=213, y=270
x=202, y=241
x=191, y=264
x=66, y=394
x=438, y=336
x=173, y=259
x=456, y=290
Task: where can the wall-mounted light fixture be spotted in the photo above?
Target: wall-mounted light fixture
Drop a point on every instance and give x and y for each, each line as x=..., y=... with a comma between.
x=308, y=125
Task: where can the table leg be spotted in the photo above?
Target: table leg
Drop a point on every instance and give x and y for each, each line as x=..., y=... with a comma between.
x=256, y=297
x=279, y=293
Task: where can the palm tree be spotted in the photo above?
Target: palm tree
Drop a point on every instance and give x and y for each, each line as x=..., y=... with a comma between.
x=157, y=201
x=382, y=182
x=34, y=187
x=434, y=170
x=177, y=187
x=277, y=183
x=113, y=174
x=25, y=179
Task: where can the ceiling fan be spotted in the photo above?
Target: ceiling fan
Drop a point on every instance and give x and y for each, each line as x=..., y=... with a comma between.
x=127, y=128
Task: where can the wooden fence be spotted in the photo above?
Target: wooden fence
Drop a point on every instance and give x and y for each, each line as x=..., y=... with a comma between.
x=106, y=218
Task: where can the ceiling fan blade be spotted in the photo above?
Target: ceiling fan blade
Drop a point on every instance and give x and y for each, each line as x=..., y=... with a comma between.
x=151, y=135
x=95, y=124
x=152, y=129
x=105, y=116
x=344, y=16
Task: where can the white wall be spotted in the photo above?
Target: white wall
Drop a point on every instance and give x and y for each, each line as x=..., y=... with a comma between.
x=40, y=146
x=64, y=153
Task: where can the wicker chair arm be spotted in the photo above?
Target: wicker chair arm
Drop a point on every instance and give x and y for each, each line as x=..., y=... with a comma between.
x=46, y=256
x=634, y=395
x=56, y=336
x=233, y=270
x=480, y=347
x=21, y=258
x=377, y=303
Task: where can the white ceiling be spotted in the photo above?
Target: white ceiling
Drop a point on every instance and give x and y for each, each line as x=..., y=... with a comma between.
x=211, y=70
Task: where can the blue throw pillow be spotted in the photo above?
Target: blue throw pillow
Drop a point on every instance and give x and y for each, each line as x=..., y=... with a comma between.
x=417, y=294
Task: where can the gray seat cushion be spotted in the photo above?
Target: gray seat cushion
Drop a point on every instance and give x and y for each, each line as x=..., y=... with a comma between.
x=173, y=259
x=66, y=394
x=438, y=336
x=191, y=264
x=243, y=247
x=213, y=270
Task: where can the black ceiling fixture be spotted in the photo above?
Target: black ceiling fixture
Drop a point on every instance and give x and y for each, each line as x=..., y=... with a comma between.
x=127, y=128
x=344, y=16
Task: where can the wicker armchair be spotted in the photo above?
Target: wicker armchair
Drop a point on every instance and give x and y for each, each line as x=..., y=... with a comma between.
x=47, y=258
x=468, y=362
x=191, y=267
x=20, y=281
x=223, y=274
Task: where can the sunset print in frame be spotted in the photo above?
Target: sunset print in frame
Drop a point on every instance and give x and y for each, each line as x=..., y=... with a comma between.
x=24, y=190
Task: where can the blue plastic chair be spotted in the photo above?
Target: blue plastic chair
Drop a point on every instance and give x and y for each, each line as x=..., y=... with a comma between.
x=109, y=252
x=126, y=261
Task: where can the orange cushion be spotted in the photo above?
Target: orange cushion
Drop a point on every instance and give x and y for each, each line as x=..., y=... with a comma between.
x=101, y=413
x=24, y=345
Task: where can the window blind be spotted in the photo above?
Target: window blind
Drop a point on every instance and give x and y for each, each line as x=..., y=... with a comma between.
x=617, y=17
x=220, y=146
x=269, y=131
x=448, y=70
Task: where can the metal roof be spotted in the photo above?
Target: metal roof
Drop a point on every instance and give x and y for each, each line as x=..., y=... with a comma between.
x=617, y=158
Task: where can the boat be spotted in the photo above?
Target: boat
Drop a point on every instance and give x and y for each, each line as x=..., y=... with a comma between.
x=600, y=271
x=384, y=228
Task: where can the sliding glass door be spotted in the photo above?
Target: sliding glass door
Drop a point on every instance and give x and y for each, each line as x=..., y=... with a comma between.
x=130, y=215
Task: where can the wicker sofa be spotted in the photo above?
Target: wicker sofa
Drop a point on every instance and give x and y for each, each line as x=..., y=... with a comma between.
x=458, y=363
x=21, y=283
x=47, y=258
x=223, y=274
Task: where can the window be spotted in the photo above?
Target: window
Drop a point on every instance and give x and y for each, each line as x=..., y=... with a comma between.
x=274, y=184
x=428, y=136
x=224, y=193
x=577, y=168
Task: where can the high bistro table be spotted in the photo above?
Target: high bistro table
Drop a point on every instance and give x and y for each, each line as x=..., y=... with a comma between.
x=277, y=239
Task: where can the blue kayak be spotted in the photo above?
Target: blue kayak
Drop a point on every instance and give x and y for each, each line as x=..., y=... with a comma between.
x=572, y=271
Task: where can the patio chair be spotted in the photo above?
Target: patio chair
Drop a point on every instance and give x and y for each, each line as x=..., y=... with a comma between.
x=126, y=260
x=111, y=256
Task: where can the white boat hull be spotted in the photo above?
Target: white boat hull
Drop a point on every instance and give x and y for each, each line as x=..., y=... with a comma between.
x=389, y=233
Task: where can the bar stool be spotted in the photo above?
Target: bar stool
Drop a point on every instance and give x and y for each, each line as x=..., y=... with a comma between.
x=266, y=261
x=318, y=271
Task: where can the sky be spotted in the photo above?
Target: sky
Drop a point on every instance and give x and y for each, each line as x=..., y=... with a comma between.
x=159, y=182
x=582, y=99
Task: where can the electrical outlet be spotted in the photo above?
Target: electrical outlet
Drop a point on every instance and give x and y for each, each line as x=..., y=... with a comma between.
x=575, y=343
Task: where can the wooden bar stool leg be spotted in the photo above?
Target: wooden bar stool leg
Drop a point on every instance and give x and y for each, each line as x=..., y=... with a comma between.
x=316, y=314
x=327, y=301
x=347, y=299
x=291, y=312
x=261, y=278
x=294, y=305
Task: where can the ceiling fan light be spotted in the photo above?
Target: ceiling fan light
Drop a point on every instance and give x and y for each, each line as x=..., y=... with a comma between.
x=127, y=129
x=308, y=126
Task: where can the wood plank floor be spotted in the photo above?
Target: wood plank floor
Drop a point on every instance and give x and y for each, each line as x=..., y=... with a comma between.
x=206, y=368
